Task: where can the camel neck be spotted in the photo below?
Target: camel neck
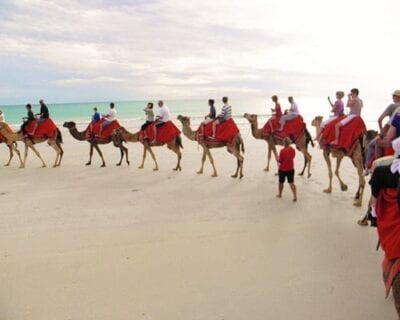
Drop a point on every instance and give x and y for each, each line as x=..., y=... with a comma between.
x=78, y=135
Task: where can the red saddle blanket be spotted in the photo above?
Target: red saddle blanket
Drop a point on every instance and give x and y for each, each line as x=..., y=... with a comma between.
x=93, y=130
x=293, y=128
x=164, y=134
x=348, y=134
x=2, y=138
x=225, y=132
x=46, y=129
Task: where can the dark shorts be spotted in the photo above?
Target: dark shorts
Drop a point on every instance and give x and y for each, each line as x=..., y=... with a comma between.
x=286, y=174
x=159, y=124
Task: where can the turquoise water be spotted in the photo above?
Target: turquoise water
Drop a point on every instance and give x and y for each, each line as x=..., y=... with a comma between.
x=131, y=112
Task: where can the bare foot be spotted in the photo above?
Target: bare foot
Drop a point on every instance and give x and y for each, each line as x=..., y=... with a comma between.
x=294, y=199
x=279, y=196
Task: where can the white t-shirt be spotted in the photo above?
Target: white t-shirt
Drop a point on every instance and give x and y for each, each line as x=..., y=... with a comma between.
x=294, y=109
x=164, y=114
x=111, y=115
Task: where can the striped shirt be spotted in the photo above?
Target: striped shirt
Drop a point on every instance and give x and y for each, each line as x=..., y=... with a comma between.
x=226, y=112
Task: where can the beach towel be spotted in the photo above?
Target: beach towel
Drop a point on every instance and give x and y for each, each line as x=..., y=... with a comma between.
x=47, y=129
x=166, y=133
x=349, y=135
x=2, y=138
x=292, y=129
x=93, y=130
x=225, y=132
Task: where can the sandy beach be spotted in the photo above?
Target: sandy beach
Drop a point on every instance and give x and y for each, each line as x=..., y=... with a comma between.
x=123, y=243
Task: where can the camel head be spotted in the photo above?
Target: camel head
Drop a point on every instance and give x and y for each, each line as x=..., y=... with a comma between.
x=185, y=120
x=69, y=124
x=252, y=118
x=3, y=125
x=316, y=122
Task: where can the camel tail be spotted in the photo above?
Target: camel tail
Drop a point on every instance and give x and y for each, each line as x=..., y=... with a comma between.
x=59, y=138
x=308, y=137
x=241, y=144
x=179, y=141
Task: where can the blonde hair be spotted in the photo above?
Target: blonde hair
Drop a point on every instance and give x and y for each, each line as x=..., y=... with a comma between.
x=340, y=94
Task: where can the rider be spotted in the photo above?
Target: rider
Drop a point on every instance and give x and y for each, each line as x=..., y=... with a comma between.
x=290, y=114
x=226, y=114
x=109, y=117
x=28, y=119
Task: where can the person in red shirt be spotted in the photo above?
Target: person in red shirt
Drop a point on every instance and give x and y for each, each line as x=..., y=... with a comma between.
x=286, y=168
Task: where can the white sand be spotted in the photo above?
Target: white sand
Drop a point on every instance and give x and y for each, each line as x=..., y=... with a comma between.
x=122, y=243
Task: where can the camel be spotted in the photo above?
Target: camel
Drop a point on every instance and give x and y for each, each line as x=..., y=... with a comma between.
x=356, y=157
x=94, y=143
x=123, y=135
x=301, y=143
x=12, y=147
x=30, y=143
x=236, y=148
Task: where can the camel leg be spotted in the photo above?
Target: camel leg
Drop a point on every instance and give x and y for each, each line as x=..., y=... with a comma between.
x=361, y=182
x=210, y=157
x=90, y=155
x=37, y=154
x=203, y=159
x=396, y=293
x=343, y=186
x=126, y=155
x=11, y=153
x=14, y=147
x=308, y=158
x=57, y=149
x=100, y=154
x=154, y=159
x=239, y=166
x=175, y=148
x=61, y=153
x=122, y=155
x=330, y=173
x=268, y=157
x=144, y=156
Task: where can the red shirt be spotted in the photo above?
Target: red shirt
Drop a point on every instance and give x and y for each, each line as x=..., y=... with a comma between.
x=286, y=157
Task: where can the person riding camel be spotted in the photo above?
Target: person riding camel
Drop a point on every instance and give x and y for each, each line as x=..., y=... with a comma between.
x=28, y=119
x=148, y=111
x=290, y=114
x=276, y=111
x=226, y=114
x=109, y=117
x=337, y=108
x=43, y=116
x=355, y=104
x=210, y=117
x=163, y=116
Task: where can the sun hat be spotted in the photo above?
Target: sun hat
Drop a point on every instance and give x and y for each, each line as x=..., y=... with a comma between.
x=396, y=93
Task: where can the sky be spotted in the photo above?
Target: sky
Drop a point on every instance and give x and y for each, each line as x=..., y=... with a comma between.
x=103, y=50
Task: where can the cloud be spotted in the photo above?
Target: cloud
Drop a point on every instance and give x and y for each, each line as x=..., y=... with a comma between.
x=176, y=48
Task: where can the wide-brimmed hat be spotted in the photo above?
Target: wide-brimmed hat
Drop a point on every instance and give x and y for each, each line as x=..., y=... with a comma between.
x=396, y=93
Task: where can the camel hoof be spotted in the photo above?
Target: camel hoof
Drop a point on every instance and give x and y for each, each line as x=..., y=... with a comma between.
x=301, y=173
x=327, y=190
x=21, y=167
x=343, y=187
x=214, y=175
x=241, y=176
x=309, y=175
x=266, y=169
x=362, y=222
x=103, y=165
x=128, y=163
x=140, y=167
x=43, y=166
x=155, y=169
x=234, y=176
x=118, y=164
x=7, y=164
x=88, y=164
x=357, y=203
x=199, y=172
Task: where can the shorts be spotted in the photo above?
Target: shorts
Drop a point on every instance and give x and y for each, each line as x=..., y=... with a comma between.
x=286, y=174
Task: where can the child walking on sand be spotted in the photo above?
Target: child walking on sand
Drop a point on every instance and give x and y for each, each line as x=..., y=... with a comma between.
x=286, y=168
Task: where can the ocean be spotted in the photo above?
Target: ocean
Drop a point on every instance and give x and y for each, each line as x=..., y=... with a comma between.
x=131, y=115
